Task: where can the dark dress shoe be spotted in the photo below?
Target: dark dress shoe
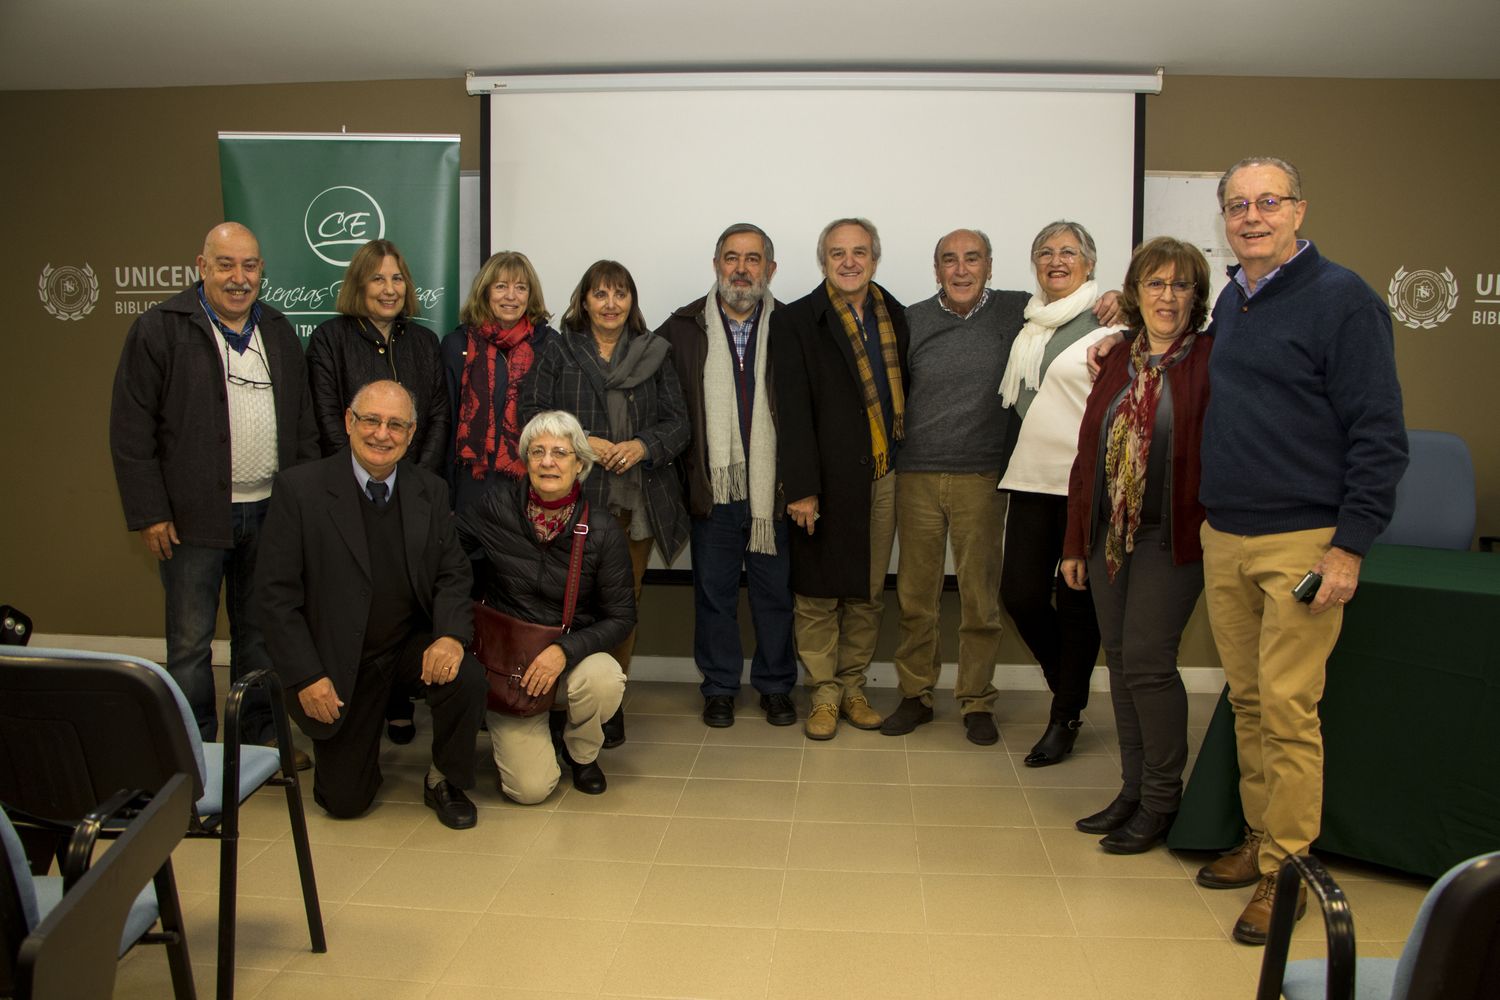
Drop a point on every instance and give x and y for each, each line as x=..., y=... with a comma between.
x=1141, y=832
x=980, y=729
x=718, y=711
x=588, y=778
x=614, y=730
x=908, y=715
x=779, y=709
x=1055, y=745
x=453, y=808
x=400, y=731
x=1111, y=817
x=300, y=760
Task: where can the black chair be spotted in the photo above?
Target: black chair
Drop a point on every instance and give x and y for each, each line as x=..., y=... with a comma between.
x=1453, y=952
x=64, y=934
x=75, y=726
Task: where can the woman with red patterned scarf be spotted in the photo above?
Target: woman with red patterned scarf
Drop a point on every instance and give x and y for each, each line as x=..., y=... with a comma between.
x=1132, y=529
x=486, y=360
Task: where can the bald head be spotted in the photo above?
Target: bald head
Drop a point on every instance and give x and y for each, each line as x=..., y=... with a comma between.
x=962, y=262
x=231, y=268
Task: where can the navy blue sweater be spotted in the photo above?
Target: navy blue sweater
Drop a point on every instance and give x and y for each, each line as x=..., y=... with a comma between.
x=1304, y=426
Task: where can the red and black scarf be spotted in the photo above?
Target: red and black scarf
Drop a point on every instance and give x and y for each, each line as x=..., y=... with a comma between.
x=1128, y=452
x=549, y=517
x=486, y=440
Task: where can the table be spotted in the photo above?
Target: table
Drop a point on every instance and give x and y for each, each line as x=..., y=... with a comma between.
x=1411, y=721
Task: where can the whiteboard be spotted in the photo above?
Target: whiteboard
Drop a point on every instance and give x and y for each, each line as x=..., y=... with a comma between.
x=1186, y=205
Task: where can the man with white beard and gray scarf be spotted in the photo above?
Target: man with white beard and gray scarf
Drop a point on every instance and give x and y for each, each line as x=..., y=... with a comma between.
x=721, y=347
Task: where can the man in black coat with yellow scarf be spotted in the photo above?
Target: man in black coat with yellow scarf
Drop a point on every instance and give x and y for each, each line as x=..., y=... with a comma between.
x=840, y=365
x=361, y=584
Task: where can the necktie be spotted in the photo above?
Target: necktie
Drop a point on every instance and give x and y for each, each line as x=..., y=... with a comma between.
x=379, y=492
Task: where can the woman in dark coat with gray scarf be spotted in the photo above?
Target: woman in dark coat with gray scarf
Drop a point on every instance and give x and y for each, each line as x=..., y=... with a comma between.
x=615, y=376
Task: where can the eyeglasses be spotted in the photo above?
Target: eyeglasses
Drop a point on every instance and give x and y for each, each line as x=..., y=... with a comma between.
x=397, y=426
x=1268, y=204
x=1067, y=255
x=558, y=454
x=1157, y=287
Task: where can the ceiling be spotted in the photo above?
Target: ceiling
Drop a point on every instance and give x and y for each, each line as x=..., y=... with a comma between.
x=70, y=44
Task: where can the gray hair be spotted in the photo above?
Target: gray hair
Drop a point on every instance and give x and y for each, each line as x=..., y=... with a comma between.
x=864, y=224
x=1085, y=241
x=1293, y=175
x=989, y=251
x=747, y=227
x=559, y=424
x=380, y=383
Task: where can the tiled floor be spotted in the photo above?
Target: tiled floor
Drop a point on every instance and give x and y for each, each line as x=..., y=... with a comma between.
x=748, y=863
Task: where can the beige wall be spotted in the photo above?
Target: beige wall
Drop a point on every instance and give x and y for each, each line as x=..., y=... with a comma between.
x=1393, y=172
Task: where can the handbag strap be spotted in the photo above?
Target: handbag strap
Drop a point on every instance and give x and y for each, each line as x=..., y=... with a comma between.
x=575, y=567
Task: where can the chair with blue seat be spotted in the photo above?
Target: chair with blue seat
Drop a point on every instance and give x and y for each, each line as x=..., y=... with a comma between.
x=1453, y=952
x=63, y=934
x=1435, y=505
x=75, y=726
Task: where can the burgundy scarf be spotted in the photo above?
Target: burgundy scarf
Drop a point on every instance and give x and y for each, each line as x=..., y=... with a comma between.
x=1128, y=451
x=486, y=443
x=549, y=517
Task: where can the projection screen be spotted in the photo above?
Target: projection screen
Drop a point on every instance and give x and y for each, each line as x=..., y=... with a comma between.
x=648, y=171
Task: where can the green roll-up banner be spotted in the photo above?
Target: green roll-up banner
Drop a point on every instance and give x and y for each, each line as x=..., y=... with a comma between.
x=313, y=199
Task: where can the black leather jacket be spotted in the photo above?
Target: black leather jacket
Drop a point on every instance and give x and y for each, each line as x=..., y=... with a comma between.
x=346, y=352
x=527, y=578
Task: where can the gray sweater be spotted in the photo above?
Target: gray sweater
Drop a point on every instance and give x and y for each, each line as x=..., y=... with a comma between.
x=954, y=420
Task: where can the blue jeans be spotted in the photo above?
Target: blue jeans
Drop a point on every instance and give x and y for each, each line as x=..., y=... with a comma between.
x=720, y=546
x=192, y=578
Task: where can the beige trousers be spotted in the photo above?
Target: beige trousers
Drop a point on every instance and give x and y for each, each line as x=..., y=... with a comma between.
x=933, y=508
x=591, y=692
x=836, y=636
x=1274, y=653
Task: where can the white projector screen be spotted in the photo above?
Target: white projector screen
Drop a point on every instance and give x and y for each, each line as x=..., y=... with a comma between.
x=650, y=178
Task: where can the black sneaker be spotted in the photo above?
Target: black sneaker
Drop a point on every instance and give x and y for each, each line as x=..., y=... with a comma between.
x=779, y=709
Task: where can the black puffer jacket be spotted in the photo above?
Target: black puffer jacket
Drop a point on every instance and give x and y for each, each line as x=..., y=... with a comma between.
x=527, y=578
x=346, y=352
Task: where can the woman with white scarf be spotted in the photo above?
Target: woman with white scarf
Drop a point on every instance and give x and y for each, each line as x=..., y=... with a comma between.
x=1046, y=383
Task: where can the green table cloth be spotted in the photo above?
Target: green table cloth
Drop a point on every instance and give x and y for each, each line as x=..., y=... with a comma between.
x=1411, y=721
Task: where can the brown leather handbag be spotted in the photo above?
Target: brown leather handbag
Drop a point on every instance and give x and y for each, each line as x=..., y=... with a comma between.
x=506, y=645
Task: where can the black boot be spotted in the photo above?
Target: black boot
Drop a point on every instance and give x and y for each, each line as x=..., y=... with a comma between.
x=1111, y=817
x=556, y=722
x=1145, y=830
x=614, y=729
x=1055, y=745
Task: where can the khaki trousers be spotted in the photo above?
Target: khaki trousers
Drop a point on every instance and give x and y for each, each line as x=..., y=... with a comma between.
x=836, y=636
x=591, y=692
x=1274, y=653
x=933, y=508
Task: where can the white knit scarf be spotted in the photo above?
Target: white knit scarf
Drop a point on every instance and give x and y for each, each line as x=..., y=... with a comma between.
x=1042, y=320
x=727, y=466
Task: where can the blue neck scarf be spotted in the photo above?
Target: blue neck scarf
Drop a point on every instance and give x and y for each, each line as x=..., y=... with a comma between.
x=240, y=341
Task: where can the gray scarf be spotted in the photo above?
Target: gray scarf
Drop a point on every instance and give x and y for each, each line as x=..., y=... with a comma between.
x=635, y=360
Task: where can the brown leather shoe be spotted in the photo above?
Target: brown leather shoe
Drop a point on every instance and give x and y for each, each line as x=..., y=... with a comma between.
x=1235, y=870
x=1255, y=922
x=300, y=760
x=822, y=722
x=859, y=713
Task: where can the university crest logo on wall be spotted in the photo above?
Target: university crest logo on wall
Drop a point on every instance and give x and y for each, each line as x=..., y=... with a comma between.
x=1422, y=299
x=68, y=292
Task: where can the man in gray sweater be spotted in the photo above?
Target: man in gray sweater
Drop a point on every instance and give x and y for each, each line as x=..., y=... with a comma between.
x=946, y=474
x=947, y=470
